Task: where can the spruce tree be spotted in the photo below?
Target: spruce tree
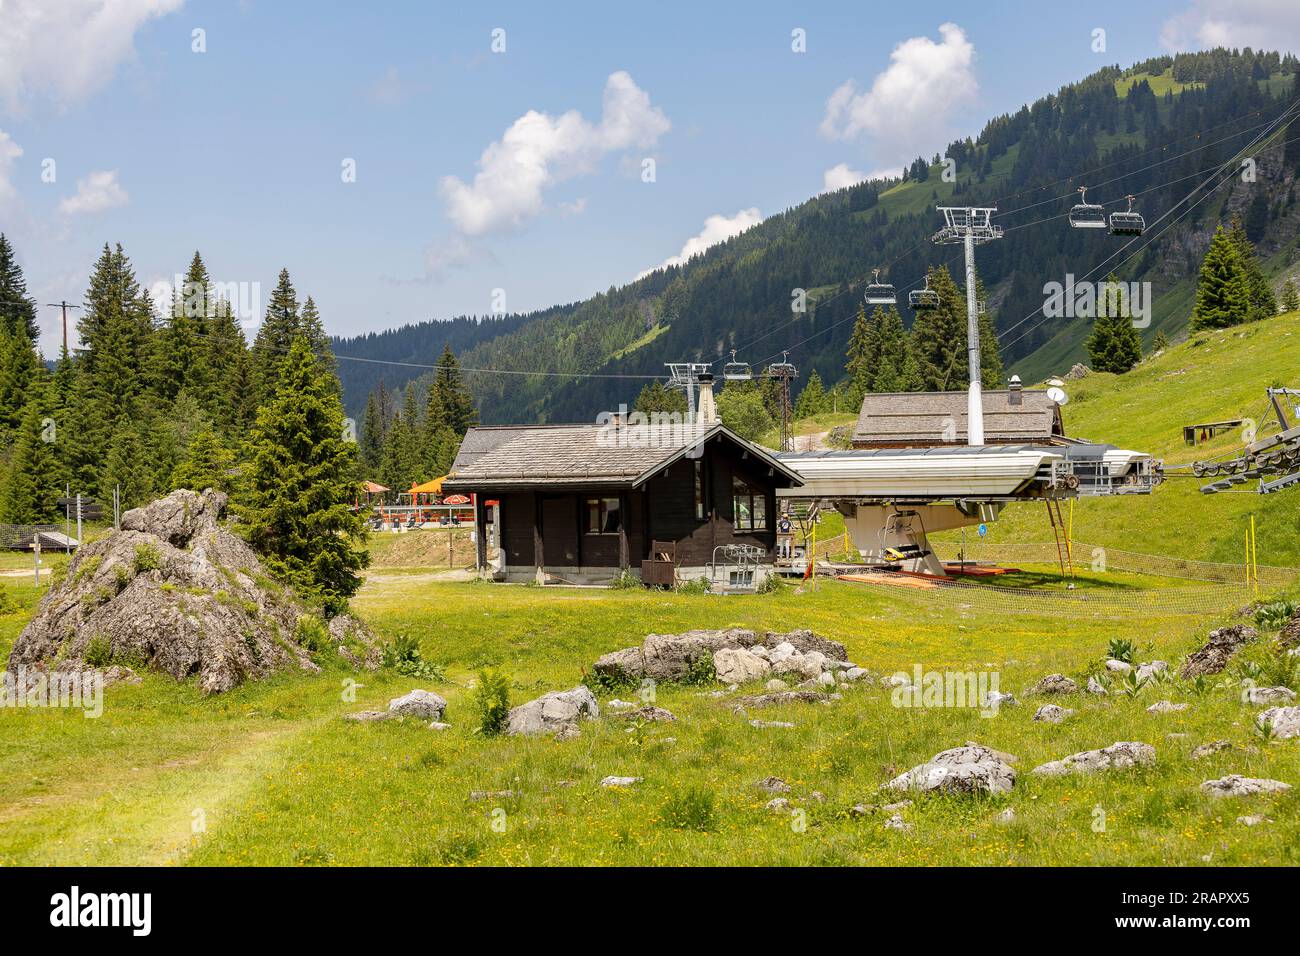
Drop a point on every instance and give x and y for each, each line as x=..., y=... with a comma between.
x=1263, y=304
x=301, y=485
x=1290, y=300
x=890, y=347
x=18, y=366
x=939, y=336
x=1222, y=290
x=371, y=440
x=36, y=477
x=17, y=308
x=655, y=398
x=1114, y=345
x=449, y=397
x=861, y=364
x=207, y=464
x=313, y=328
x=273, y=339
x=812, y=399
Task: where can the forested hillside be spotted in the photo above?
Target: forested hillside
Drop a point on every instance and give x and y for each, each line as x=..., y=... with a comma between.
x=1156, y=130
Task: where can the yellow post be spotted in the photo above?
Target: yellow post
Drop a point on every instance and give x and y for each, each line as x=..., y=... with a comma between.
x=1254, y=556
x=812, y=557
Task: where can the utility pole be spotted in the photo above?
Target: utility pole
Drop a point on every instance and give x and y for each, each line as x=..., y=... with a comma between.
x=970, y=225
x=686, y=376
x=784, y=372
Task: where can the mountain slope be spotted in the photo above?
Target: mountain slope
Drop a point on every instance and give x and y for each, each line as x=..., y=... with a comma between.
x=1155, y=130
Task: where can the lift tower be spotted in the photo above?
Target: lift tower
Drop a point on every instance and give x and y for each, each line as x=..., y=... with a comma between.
x=970, y=225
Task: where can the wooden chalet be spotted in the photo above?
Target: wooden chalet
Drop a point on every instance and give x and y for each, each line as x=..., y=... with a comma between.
x=1013, y=416
x=583, y=503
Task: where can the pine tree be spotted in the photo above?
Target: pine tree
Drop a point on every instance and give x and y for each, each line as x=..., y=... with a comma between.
x=1222, y=291
x=227, y=398
x=17, y=308
x=273, y=340
x=939, y=336
x=992, y=374
x=1114, y=345
x=128, y=466
x=370, y=448
x=314, y=329
x=861, y=352
x=812, y=398
x=18, y=366
x=890, y=347
x=1160, y=342
x=1290, y=300
x=655, y=398
x=207, y=464
x=36, y=478
x=301, y=484
x=1263, y=304
x=449, y=398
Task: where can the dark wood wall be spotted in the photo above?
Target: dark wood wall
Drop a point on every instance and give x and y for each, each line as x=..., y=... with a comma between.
x=663, y=510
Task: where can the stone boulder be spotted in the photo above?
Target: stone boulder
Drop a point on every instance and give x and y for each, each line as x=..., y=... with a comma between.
x=1166, y=707
x=735, y=665
x=1284, y=721
x=1268, y=695
x=670, y=657
x=970, y=769
x=424, y=704
x=1055, y=684
x=1290, y=636
x=1118, y=756
x=1052, y=714
x=1210, y=749
x=173, y=591
x=1213, y=656
x=555, y=713
x=1235, y=785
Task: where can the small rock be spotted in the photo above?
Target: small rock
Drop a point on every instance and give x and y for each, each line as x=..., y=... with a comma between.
x=773, y=785
x=120, y=674
x=1095, y=687
x=649, y=713
x=368, y=716
x=777, y=684
x=418, y=703
x=480, y=795
x=1166, y=707
x=1235, y=785
x=1052, y=714
x=735, y=665
x=778, y=805
x=1285, y=721
x=1055, y=684
x=817, y=797
x=1214, y=747
x=439, y=725
x=617, y=704
x=1005, y=816
x=969, y=769
x=770, y=723
x=855, y=673
x=620, y=781
x=1118, y=667
x=895, y=680
x=1252, y=821
x=1268, y=695
x=996, y=699
x=896, y=822
x=1118, y=756
x=1150, y=670
x=553, y=712
x=826, y=679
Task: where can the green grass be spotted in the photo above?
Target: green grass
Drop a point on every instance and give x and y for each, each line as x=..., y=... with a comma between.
x=277, y=777
x=1161, y=83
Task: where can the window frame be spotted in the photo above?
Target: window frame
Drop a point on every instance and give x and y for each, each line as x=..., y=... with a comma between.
x=603, y=510
x=754, y=499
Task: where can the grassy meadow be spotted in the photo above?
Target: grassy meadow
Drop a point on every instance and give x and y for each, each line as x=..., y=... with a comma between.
x=271, y=774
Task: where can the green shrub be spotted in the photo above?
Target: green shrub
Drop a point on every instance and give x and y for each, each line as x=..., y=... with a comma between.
x=693, y=809
x=311, y=633
x=701, y=672
x=602, y=683
x=1121, y=649
x=99, y=651
x=87, y=567
x=403, y=656
x=626, y=581
x=7, y=603
x=121, y=578
x=693, y=586
x=1275, y=615
x=147, y=557
x=492, y=702
x=772, y=584
x=1278, y=669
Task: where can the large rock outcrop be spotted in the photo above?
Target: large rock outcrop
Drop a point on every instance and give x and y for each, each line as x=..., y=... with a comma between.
x=1213, y=656
x=670, y=657
x=173, y=591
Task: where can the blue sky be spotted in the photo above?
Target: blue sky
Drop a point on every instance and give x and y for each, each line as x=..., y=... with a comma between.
x=478, y=171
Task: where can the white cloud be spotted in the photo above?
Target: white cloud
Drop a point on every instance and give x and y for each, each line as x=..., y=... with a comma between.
x=65, y=50
x=841, y=175
x=9, y=151
x=539, y=150
x=98, y=192
x=1261, y=24
x=717, y=228
x=909, y=105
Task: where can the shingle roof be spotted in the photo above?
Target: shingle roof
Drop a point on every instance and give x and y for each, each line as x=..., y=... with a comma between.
x=520, y=455
x=938, y=418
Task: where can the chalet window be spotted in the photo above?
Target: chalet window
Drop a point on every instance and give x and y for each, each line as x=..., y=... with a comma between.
x=699, y=489
x=749, y=504
x=603, y=516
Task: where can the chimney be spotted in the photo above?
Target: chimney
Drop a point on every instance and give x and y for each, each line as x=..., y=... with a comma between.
x=1014, y=395
x=708, y=411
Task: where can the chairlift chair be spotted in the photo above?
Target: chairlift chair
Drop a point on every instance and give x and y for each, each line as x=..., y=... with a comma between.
x=1086, y=215
x=1127, y=223
x=923, y=299
x=735, y=371
x=879, y=293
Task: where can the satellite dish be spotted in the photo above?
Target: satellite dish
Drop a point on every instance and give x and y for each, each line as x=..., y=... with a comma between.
x=1058, y=395
x=1058, y=382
